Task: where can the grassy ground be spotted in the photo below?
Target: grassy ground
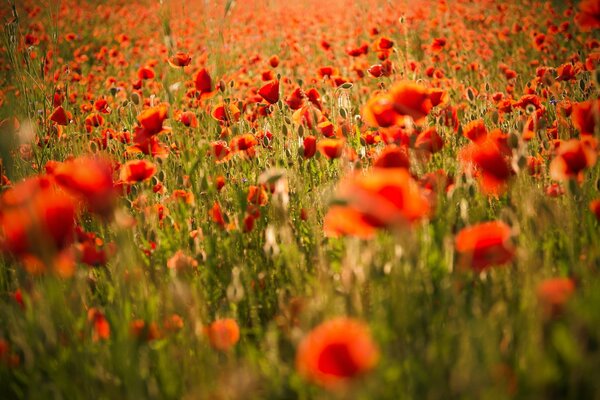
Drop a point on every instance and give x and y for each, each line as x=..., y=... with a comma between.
x=123, y=280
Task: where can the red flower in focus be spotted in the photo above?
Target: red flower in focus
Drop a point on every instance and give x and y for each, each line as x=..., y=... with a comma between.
x=270, y=92
x=336, y=352
x=484, y=245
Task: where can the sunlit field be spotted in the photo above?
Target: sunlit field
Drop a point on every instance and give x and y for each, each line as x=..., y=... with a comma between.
x=299, y=199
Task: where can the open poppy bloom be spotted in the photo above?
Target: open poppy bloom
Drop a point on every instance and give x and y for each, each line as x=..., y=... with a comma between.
x=137, y=171
x=588, y=17
x=336, y=352
x=572, y=158
x=385, y=198
x=35, y=212
x=584, y=116
x=180, y=60
x=203, y=83
x=405, y=98
x=223, y=334
x=89, y=178
x=331, y=148
x=484, y=245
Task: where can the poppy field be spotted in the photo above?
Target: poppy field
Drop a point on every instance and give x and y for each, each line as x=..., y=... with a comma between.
x=299, y=200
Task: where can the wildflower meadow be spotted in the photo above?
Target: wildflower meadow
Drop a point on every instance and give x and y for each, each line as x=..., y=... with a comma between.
x=272, y=199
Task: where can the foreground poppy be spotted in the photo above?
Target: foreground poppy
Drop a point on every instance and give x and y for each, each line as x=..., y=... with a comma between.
x=385, y=198
x=572, y=158
x=91, y=179
x=336, y=352
x=404, y=99
x=484, y=245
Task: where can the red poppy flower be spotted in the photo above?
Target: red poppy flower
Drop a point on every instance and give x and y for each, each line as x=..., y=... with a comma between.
x=554, y=293
x=475, y=130
x=309, y=146
x=438, y=44
x=180, y=60
x=392, y=157
x=429, y=140
x=584, y=116
x=223, y=334
x=60, y=116
x=137, y=171
x=336, y=352
x=35, y=218
x=91, y=179
x=203, y=83
x=331, y=148
x=483, y=245
x=572, y=158
x=588, y=17
x=270, y=92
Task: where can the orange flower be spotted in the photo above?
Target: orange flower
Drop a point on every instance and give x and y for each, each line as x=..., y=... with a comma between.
x=487, y=156
x=91, y=179
x=483, y=245
x=100, y=323
x=554, y=293
x=223, y=334
x=181, y=262
x=180, y=60
x=331, y=148
x=411, y=99
x=137, y=171
x=385, y=198
x=341, y=220
x=572, y=158
x=475, y=130
x=36, y=217
x=405, y=98
x=430, y=141
x=336, y=352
